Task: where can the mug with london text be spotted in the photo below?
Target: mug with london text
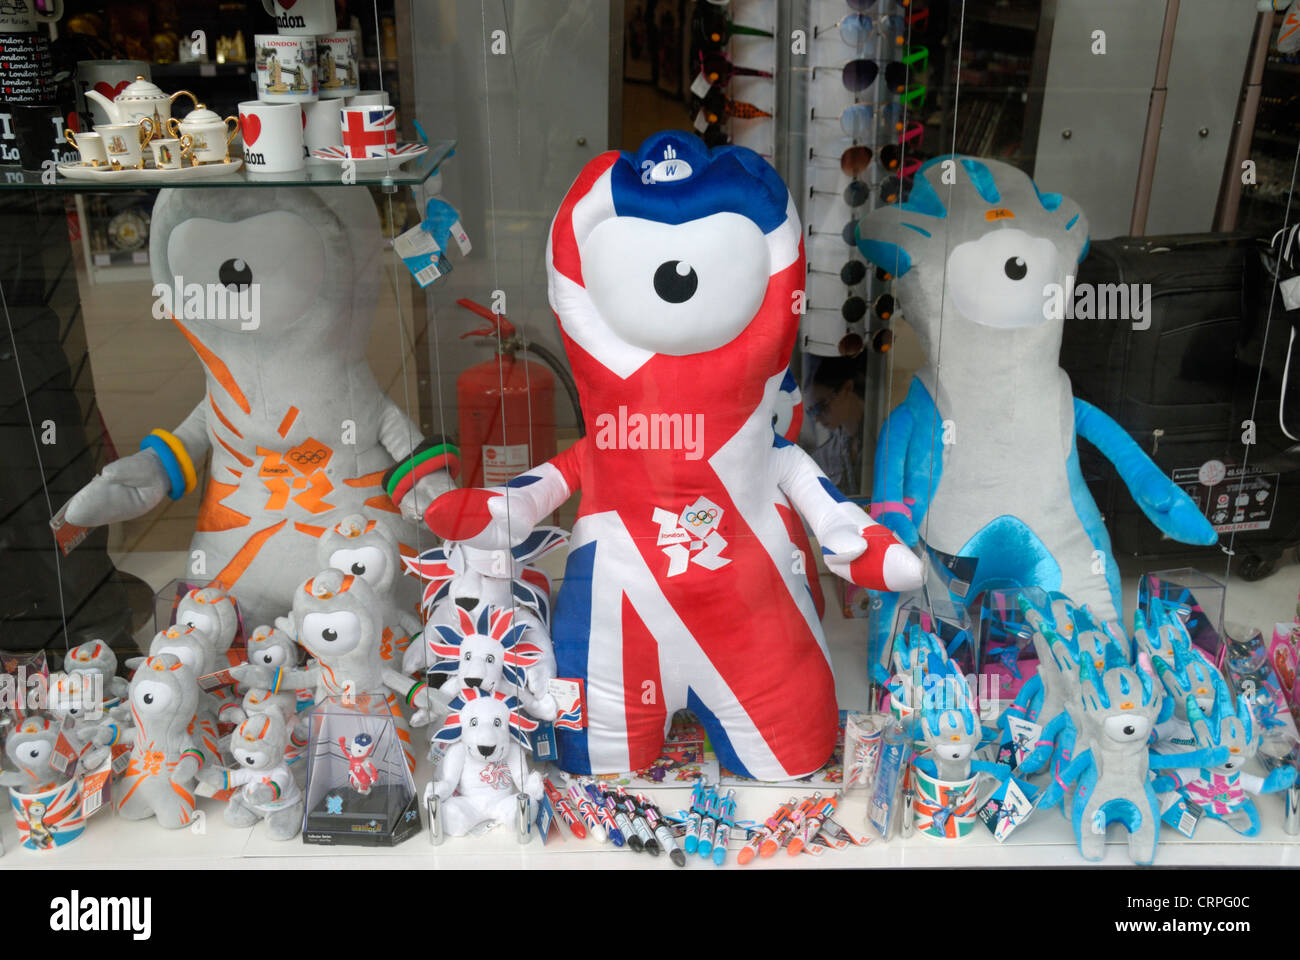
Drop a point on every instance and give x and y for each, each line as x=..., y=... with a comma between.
x=272, y=136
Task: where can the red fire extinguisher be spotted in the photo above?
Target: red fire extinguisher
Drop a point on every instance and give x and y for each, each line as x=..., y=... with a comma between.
x=506, y=407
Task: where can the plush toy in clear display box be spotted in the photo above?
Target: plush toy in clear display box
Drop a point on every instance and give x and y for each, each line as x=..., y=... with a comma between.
x=674, y=272
x=359, y=789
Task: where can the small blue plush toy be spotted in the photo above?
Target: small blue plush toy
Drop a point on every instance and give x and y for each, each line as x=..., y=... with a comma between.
x=1222, y=791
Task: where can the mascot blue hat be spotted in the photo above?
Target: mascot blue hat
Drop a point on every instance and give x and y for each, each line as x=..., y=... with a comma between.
x=674, y=178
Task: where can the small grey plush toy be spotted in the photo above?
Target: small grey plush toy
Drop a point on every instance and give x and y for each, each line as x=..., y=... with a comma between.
x=30, y=749
x=266, y=788
x=164, y=758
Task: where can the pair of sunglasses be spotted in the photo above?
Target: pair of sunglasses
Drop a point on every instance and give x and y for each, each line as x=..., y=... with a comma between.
x=718, y=70
x=713, y=28
x=853, y=161
x=717, y=105
x=859, y=120
x=856, y=29
x=858, y=75
x=856, y=192
x=851, y=274
x=852, y=344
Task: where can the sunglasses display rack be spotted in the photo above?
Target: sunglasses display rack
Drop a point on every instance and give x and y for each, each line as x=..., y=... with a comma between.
x=733, y=94
x=859, y=132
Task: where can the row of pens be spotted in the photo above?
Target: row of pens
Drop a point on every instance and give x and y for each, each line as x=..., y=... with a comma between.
x=611, y=814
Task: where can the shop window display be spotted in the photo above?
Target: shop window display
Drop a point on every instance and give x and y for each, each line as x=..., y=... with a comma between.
x=774, y=298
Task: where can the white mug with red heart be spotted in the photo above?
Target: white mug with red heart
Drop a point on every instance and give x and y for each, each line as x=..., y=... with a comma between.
x=108, y=77
x=302, y=18
x=272, y=136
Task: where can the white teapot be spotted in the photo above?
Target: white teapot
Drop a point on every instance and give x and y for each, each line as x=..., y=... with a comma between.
x=137, y=100
x=207, y=132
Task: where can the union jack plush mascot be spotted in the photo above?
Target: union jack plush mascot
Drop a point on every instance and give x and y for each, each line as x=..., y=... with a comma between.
x=676, y=275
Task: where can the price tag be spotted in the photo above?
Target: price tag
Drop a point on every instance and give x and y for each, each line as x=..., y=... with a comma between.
x=101, y=259
x=207, y=69
x=700, y=86
x=701, y=123
x=415, y=242
x=140, y=256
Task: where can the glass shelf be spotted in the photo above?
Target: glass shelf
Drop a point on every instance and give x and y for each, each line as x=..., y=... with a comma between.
x=316, y=173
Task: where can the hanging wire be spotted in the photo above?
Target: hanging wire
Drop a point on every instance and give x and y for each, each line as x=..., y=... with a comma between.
x=413, y=431
x=496, y=262
x=935, y=423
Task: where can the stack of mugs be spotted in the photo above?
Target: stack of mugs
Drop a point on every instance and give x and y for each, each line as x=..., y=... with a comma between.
x=307, y=72
x=31, y=121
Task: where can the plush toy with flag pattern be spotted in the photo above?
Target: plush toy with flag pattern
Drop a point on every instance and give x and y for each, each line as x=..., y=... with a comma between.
x=484, y=654
x=1222, y=791
x=265, y=786
x=484, y=770
x=676, y=273
x=459, y=577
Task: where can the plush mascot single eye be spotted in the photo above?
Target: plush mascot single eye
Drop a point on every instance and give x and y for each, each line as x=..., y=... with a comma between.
x=235, y=273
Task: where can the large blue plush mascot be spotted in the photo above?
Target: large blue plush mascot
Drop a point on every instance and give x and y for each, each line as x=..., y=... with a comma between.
x=981, y=461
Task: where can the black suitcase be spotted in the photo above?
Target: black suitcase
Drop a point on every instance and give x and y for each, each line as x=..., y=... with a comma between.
x=1184, y=385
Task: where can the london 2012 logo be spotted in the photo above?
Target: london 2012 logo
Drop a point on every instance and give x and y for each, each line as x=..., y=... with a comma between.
x=692, y=536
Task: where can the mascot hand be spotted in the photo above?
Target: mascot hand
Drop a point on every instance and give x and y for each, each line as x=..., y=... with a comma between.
x=425, y=490
x=212, y=776
x=255, y=675
x=543, y=707
x=1172, y=511
x=286, y=625
x=1279, y=779
x=901, y=524
x=262, y=793
x=126, y=489
x=871, y=557
x=485, y=519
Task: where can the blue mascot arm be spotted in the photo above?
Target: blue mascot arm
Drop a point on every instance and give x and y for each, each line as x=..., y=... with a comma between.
x=998, y=770
x=1165, y=504
x=1204, y=757
x=1279, y=779
x=891, y=463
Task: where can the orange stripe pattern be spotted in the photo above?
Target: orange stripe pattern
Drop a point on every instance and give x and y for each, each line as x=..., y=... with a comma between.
x=220, y=372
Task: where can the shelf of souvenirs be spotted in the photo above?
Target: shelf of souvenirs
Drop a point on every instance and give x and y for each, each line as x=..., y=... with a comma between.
x=314, y=173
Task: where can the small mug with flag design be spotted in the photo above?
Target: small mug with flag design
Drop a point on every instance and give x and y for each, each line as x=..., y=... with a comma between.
x=368, y=131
